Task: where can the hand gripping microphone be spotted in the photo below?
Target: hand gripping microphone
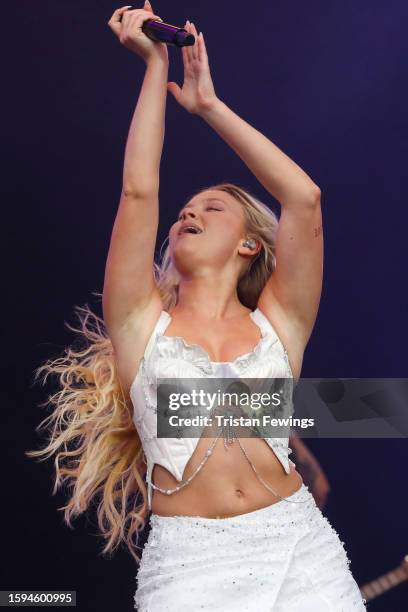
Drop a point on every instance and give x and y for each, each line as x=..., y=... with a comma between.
x=164, y=32
x=160, y=31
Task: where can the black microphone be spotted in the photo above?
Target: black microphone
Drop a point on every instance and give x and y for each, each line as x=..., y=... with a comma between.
x=160, y=31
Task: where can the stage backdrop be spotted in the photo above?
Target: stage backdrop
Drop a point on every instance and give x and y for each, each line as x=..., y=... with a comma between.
x=326, y=81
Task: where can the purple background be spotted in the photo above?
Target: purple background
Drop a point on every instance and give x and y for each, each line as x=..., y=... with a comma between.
x=327, y=83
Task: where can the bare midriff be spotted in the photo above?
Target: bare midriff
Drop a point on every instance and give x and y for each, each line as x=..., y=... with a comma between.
x=227, y=485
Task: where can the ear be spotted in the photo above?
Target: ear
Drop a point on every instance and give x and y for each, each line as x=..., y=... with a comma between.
x=247, y=251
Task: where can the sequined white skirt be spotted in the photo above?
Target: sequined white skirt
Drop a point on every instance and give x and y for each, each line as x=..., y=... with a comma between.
x=282, y=558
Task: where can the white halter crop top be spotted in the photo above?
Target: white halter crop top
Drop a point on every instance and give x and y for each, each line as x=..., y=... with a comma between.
x=172, y=357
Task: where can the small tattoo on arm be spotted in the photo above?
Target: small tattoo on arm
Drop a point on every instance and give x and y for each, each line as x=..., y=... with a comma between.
x=317, y=231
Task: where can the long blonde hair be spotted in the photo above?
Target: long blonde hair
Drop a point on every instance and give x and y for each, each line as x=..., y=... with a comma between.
x=91, y=431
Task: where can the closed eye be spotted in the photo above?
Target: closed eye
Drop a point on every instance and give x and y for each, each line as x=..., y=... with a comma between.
x=208, y=208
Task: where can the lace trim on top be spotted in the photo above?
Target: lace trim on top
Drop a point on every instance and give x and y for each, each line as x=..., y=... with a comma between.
x=194, y=353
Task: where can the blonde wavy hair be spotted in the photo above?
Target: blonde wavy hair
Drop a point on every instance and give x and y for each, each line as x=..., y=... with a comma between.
x=98, y=452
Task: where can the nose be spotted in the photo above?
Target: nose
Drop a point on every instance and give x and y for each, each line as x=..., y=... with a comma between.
x=188, y=213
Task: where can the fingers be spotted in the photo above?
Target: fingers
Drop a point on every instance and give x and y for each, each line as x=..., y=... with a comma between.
x=139, y=14
x=123, y=15
x=197, y=51
x=184, y=50
x=186, y=60
x=193, y=48
x=202, y=50
x=115, y=21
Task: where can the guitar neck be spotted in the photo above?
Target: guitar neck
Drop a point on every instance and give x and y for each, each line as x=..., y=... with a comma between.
x=387, y=581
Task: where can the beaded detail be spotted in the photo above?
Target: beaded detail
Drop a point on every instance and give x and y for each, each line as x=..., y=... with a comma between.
x=190, y=478
x=173, y=357
x=280, y=557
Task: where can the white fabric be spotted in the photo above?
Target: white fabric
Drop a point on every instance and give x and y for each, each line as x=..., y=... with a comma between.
x=282, y=558
x=172, y=357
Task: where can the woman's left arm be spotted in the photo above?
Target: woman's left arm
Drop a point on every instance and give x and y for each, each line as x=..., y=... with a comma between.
x=281, y=176
x=294, y=288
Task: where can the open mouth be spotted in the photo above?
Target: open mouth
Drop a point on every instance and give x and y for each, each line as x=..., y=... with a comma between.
x=190, y=229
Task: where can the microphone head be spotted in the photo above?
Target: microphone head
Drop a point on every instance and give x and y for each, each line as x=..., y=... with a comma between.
x=184, y=38
x=165, y=32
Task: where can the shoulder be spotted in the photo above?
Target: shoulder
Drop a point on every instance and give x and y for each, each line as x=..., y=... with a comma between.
x=130, y=340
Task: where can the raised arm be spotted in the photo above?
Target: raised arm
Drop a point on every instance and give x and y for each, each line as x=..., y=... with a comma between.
x=292, y=294
x=129, y=283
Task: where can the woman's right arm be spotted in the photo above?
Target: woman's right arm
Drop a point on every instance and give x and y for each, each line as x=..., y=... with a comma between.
x=131, y=301
x=129, y=284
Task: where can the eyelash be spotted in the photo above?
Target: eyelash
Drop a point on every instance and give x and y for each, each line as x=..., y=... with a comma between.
x=208, y=208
